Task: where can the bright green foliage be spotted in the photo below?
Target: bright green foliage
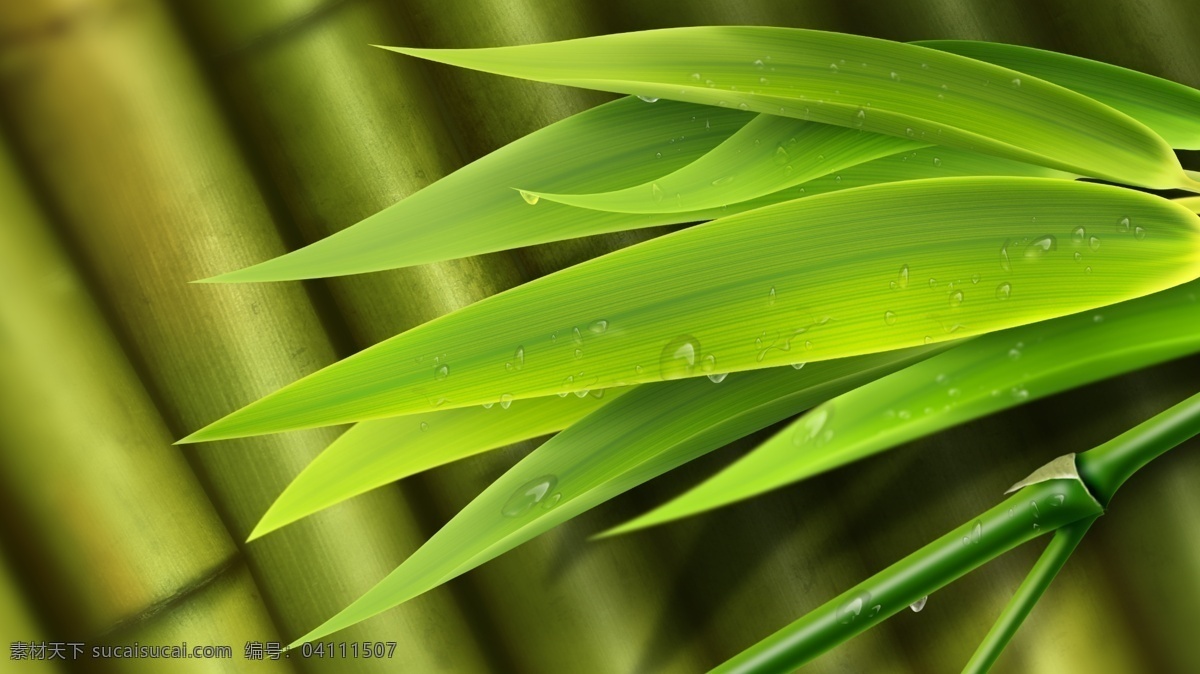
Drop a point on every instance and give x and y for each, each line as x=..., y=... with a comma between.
x=374, y=453
x=836, y=275
x=853, y=81
x=1170, y=109
x=983, y=376
x=768, y=154
x=642, y=434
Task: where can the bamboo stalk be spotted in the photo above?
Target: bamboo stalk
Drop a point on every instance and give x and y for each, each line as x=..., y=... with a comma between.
x=343, y=132
x=88, y=461
x=18, y=623
x=117, y=126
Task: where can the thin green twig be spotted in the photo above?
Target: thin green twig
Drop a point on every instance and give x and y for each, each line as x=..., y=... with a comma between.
x=1027, y=595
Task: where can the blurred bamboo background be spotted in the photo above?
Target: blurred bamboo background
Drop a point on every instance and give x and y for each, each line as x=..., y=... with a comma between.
x=154, y=142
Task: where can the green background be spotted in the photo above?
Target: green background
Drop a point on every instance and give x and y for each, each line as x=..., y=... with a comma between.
x=147, y=144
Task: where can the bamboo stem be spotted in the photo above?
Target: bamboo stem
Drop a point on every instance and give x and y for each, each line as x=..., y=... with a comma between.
x=113, y=118
x=1056, y=554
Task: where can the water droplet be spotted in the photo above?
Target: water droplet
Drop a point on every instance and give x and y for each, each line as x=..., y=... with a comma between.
x=1078, y=256
x=518, y=360
x=678, y=358
x=1087, y=270
x=581, y=393
x=1139, y=233
x=441, y=372
x=529, y=495
x=928, y=339
x=1003, y=291
x=424, y=425
x=975, y=280
x=919, y=604
x=977, y=531
x=578, y=354
x=781, y=155
x=529, y=197
x=833, y=67
x=810, y=429
x=658, y=155
x=649, y=99
x=956, y=298
x=889, y=318
x=718, y=378
x=1098, y=318
x=903, y=278
x=1041, y=245
x=895, y=77
x=1057, y=500
x=1079, y=234
x=908, y=131
x=487, y=406
x=656, y=192
x=953, y=393
x=932, y=283
x=598, y=393
x=1036, y=512
x=696, y=77
x=937, y=162
x=506, y=401
x=1019, y=393
x=743, y=106
x=771, y=297
x=758, y=63
x=763, y=80
x=1016, y=81
x=1094, y=243
x=1004, y=264
x=551, y=501
x=798, y=366
x=850, y=611
x=1014, y=354
x=598, y=327
x=723, y=181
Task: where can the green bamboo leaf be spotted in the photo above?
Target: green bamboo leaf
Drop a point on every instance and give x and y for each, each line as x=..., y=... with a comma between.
x=848, y=80
x=983, y=376
x=768, y=154
x=641, y=435
x=375, y=453
x=1170, y=109
x=756, y=290
x=475, y=210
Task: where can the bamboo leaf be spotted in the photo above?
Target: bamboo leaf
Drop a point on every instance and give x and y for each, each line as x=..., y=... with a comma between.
x=755, y=290
x=983, y=376
x=375, y=453
x=848, y=80
x=475, y=210
x=768, y=154
x=641, y=435
x=1170, y=109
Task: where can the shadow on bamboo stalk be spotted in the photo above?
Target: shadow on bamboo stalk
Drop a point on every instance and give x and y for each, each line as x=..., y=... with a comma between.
x=116, y=537
x=117, y=127
x=18, y=622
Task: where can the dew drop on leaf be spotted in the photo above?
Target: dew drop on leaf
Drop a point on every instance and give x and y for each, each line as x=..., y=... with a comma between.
x=919, y=604
x=678, y=357
x=1004, y=291
x=529, y=197
x=529, y=495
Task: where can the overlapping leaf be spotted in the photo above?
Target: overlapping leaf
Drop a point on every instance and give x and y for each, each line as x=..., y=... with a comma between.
x=769, y=154
x=645, y=433
x=1170, y=109
x=476, y=210
x=876, y=85
x=375, y=453
x=835, y=275
x=983, y=376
